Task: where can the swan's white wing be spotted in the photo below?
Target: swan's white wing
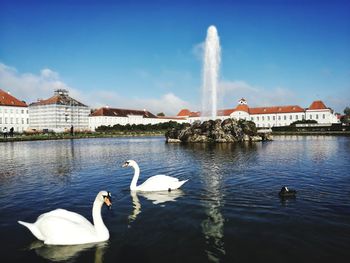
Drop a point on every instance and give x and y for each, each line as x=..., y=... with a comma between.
x=62, y=213
x=63, y=231
x=159, y=183
x=160, y=179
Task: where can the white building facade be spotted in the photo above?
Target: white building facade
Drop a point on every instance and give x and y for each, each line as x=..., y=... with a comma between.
x=275, y=116
x=111, y=116
x=13, y=113
x=59, y=113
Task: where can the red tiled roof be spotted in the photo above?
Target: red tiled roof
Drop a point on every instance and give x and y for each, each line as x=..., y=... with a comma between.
x=8, y=100
x=112, y=112
x=317, y=105
x=59, y=100
x=188, y=113
x=242, y=107
x=276, y=109
x=225, y=112
x=195, y=114
x=184, y=112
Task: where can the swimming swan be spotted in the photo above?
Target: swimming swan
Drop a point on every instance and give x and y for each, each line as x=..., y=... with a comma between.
x=154, y=183
x=62, y=227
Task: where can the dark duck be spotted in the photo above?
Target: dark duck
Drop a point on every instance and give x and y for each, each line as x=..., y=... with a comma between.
x=285, y=192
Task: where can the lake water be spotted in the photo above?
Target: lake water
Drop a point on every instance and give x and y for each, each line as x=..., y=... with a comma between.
x=229, y=210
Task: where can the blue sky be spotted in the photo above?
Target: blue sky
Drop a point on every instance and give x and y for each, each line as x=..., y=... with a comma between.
x=147, y=54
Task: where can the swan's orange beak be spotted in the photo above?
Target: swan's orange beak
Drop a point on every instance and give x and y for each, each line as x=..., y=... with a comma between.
x=108, y=201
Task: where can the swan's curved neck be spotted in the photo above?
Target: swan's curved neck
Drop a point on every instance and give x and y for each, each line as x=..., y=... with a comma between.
x=135, y=178
x=100, y=227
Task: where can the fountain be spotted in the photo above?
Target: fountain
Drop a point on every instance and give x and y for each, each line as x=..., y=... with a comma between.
x=211, y=65
x=210, y=129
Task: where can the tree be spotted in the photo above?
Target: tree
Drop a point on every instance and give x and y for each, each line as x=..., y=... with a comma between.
x=347, y=111
x=161, y=114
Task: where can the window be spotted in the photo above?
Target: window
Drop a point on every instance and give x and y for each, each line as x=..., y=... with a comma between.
x=27, y=121
x=268, y=118
x=11, y=120
x=262, y=118
x=273, y=117
x=279, y=118
x=0, y=120
x=257, y=118
x=323, y=116
x=296, y=117
x=252, y=119
x=310, y=117
x=22, y=111
x=5, y=120
x=284, y=117
x=22, y=121
x=316, y=116
x=16, y=120
x=303, y=117
x=290, y=117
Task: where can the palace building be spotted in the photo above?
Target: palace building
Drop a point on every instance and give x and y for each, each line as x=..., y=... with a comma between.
x=111, y=116
x=59, y=113
x=13, y=113
x=275, y=116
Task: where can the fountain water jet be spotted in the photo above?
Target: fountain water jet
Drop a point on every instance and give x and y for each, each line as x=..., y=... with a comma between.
x=211, y=65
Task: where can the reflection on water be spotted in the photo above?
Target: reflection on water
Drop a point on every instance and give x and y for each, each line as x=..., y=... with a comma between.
x=68, y=253
x=157, y=198
x=162, y=197
x=136, y=206
x=209, y=157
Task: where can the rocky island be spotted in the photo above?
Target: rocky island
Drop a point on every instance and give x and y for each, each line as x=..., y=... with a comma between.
x=218, y=131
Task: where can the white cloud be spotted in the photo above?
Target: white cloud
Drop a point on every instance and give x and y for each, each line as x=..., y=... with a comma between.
x=339, y=103
x=30, y=87
x=169, y=103
x=256, y=96
x=49, y=74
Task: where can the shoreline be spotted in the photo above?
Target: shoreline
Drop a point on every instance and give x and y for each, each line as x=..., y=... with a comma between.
x=46, y=137
x=65, y=136
x=314, y=133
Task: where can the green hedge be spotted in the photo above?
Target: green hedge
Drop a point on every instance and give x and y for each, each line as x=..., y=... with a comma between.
x=140, y=127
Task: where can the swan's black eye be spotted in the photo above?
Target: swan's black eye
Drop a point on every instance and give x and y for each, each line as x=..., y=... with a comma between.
x=126, y=163
x=108, y=196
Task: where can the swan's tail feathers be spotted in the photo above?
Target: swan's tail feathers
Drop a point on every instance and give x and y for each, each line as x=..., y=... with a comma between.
x=180, y=183
x=35, y=231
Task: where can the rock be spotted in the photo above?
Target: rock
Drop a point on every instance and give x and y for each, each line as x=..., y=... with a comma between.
x=256, y=138
x=246, y=137
x=170, y=140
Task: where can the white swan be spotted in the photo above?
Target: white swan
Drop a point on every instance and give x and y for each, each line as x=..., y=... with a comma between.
x=62, y=227
x=154, y=183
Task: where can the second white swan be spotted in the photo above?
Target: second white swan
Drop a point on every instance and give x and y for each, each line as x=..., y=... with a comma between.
x=62, y=227
x=155, y=183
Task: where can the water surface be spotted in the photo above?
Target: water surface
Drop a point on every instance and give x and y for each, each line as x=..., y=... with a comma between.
x=229, y=210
